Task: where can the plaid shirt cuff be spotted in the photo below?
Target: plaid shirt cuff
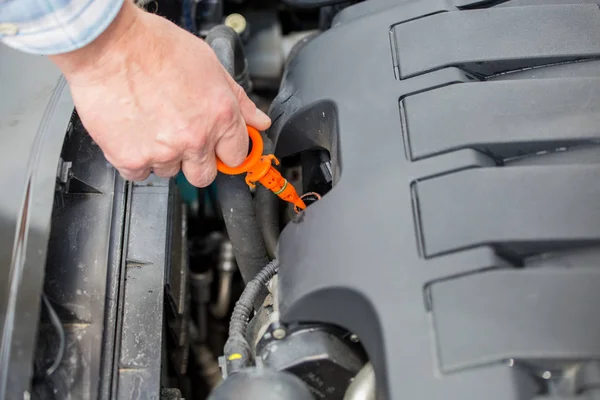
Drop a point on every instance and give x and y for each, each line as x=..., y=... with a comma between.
x=47, y=27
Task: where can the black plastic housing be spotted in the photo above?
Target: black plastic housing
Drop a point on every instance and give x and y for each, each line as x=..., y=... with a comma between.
x=463, y=140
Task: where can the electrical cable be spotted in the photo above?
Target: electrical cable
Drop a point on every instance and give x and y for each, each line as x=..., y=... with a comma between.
x=61, y=336
x=237, y=350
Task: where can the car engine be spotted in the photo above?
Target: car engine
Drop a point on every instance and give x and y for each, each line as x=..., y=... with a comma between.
x=448, y=152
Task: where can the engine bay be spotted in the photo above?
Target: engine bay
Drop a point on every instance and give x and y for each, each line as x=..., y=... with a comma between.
x=142, y=278
x=448, y=156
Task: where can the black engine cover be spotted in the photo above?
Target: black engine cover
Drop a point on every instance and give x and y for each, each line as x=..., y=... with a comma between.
x=459, y=239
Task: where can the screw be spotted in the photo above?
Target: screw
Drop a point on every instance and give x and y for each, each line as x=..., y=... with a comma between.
x=279, y=333
x=547, y=375
x=237, y=22
x=354, y=338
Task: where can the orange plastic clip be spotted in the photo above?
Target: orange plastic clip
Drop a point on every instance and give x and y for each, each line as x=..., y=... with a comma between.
x=259, y=168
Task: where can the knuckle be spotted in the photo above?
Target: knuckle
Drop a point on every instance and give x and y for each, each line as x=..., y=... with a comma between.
x=197, y=142
x=227, y=112
x=134, y=176
x=238, y=91
x=125, y=175
x=167, y=172
x=136, y=164
x=165, y=155
x=164, y=173
x=125, y=160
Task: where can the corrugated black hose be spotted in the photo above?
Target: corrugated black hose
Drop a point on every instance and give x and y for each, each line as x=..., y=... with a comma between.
x=235, y=197
x=238, y=353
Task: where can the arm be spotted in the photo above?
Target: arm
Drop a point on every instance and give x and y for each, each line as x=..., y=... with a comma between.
x=153, y=96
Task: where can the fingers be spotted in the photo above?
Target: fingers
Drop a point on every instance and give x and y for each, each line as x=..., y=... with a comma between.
x=137, y=168
x=136, y=175
x=200, y=164
x=130, y=170
x=200, y=171
x=194, y=151
x=251, y=114
x=232, y=147
x=167, y=170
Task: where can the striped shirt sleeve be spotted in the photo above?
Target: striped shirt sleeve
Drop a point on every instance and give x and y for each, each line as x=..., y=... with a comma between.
x=47, y=27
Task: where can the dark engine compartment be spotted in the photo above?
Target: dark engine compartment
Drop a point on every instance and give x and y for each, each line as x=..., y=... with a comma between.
x=451, y=250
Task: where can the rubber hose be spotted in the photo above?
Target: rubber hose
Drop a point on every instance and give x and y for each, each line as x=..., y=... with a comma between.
x=242, y=226
x=226, y=43
x=235, y=197
x=237, y=350
x=312, y=3
x=267, y=209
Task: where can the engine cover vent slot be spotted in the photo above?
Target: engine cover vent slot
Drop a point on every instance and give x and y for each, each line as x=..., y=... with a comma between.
x=531, y=36
x=521, y=211
x=477, y=323
x=504, y=119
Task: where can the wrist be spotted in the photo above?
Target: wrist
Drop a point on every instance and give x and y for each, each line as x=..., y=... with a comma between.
x=94, y=60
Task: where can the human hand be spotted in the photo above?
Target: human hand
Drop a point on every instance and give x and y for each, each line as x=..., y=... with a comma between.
x=155, y=97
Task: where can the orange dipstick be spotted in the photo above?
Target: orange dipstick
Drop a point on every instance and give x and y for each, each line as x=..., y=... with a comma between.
x=259, y=168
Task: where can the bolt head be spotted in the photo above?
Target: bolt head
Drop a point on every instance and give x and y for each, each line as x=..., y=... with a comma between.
x=279, y=333
x=354, y=338
x=237, y=22
x=547, y=375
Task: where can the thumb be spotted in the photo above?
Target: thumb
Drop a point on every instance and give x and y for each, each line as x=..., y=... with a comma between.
x=251, y=114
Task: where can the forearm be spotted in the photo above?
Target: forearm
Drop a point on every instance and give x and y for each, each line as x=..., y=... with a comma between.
x=50, y=27
x=120, y=39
